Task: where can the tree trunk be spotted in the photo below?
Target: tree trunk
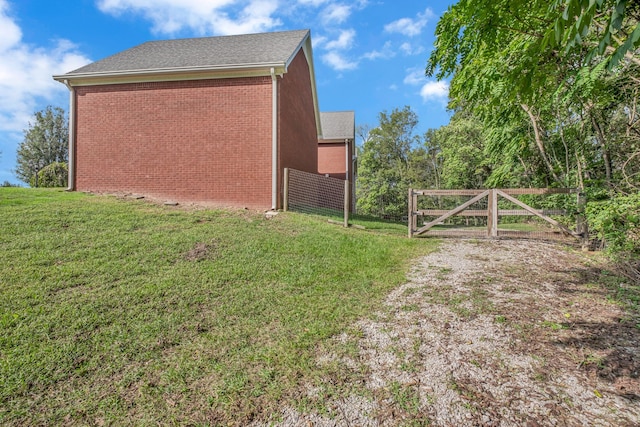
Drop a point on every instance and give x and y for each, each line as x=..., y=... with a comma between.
x=603, y=146
x=540, y=143
x=580, y=179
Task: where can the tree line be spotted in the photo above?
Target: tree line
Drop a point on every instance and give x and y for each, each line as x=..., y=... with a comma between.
x=543, y=94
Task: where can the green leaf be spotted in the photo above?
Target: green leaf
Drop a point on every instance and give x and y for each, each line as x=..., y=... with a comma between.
x=629, y=44
x=558, y=31
x=617, y=16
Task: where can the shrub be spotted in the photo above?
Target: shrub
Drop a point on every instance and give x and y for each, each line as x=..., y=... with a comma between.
x=617, y=223
x=54, y=175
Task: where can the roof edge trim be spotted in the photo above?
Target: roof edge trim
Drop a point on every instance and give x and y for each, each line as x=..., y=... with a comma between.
x=175, y=70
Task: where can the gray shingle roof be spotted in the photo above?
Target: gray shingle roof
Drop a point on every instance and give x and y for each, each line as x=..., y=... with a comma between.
x=207, y=52
x=338, y=125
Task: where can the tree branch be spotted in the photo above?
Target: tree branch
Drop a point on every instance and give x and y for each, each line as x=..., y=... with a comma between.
x=539, y=142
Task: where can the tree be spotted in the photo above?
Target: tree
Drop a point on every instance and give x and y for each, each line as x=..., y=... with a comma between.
x=45, y=142
x=532, y=79
x=387, y=164
x=555, y=87
x=525, y=43
x=427, y=162
x=464, y=163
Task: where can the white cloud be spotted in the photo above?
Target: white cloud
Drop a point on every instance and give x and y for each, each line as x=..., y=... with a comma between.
x=408, y=49
x=408, y=26
x=314, y=3
x=335, y=13
x=334, y=56
x=25, y=73
x=338, y=62
x=414, y=77
x=435, y=91
x=344, y=41
x=318, y=41
x=385, y=53
x=10, y=33
x=204, y=17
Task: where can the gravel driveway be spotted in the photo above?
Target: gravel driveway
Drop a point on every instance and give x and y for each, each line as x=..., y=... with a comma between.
x=490, y=333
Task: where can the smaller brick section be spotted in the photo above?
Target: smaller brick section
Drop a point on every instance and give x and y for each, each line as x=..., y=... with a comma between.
x=332, y=160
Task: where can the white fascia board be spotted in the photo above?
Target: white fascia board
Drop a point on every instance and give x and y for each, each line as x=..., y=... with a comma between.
x=169, y=74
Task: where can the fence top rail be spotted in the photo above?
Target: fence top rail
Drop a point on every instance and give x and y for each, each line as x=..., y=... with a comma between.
x=294, y=173
x=511, y=191
x=483, y=212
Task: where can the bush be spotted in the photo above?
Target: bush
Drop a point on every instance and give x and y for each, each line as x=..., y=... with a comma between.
x=8, y=184
x=617, y=223
x=54, y=175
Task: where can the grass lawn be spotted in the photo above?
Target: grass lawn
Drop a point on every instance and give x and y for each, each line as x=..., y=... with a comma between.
x=125, y=312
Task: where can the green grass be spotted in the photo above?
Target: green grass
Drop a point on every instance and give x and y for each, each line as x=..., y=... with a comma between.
x=369, y=223
x=380, y=225
x=124, y=312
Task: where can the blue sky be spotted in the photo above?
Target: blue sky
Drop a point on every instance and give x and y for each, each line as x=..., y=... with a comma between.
x=369, y=55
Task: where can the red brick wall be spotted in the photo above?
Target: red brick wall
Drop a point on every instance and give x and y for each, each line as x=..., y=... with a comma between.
x=205, y=140
x=331, y=160
x=297, y=136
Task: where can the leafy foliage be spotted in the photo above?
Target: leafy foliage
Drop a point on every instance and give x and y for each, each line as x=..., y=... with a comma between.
x=53, y=175
x=461, y=143
x=615, y=23
x=617, y=222
x=45, y=142
x=554, y=89
x=386, y=164
x=542, y=97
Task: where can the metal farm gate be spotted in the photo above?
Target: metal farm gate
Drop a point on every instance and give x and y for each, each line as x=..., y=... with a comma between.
x=442, y=213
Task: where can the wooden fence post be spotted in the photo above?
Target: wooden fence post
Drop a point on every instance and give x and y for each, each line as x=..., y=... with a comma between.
x=410, y=209
x=346, y=203
x=492, y=214
x=415, y=208
x=581, y=223
x=285, y=202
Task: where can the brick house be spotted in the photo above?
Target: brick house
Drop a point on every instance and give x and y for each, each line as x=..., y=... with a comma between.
x=336, y=146
x=213, y=119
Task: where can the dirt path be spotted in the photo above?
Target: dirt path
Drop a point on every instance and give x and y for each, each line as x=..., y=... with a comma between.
x=490, y=333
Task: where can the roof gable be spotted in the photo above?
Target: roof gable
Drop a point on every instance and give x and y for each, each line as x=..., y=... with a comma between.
x=246, y=55
x=224, y=52
x=338, y=125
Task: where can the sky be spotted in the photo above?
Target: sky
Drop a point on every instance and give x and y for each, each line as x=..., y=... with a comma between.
x=369, y=55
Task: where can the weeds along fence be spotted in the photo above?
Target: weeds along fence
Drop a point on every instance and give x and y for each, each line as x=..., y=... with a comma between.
x=316, y=194
x=544, y=213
